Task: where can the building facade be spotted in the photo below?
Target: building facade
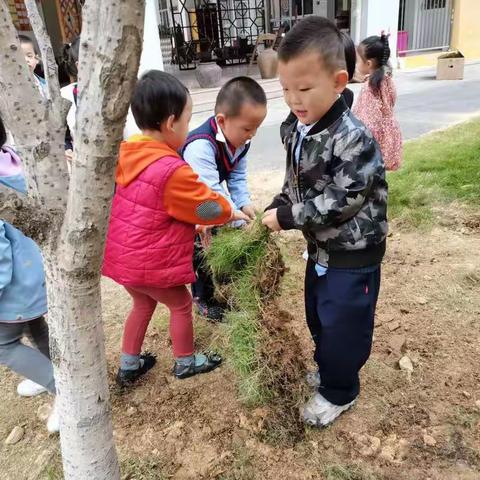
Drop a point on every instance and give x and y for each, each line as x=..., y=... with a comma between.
x=182, y=33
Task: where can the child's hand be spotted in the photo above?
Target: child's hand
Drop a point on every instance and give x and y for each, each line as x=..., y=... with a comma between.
x=239, y=215
x=69, y=155
x=270, y=220
x=249, y=211
x=205, y=233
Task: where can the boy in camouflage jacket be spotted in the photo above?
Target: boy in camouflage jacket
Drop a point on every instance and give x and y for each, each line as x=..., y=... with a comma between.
x=335, y=193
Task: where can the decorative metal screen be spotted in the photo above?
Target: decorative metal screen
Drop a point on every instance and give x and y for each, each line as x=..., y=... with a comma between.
x=224, y=31
x=70, y=16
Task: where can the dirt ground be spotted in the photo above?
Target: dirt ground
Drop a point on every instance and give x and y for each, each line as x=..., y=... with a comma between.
x=419, y=425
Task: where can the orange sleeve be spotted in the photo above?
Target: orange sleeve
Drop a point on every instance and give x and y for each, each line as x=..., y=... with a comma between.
x=189, y=200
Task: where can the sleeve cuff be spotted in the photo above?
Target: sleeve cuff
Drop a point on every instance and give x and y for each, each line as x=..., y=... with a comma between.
x=285, y=217
x=242, y=204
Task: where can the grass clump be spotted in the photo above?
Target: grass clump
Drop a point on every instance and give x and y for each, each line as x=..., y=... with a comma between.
x=238, y=259
x=265, y=354
x=347, y=472
x=438, y=169
x=141, y=469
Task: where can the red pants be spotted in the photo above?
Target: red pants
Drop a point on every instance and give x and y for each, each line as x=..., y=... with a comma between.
x=178, y=300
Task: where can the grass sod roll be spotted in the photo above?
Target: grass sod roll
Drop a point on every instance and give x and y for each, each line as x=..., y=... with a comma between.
x=263, y=351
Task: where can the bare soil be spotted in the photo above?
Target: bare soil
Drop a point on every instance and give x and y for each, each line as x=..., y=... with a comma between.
x=423, y=425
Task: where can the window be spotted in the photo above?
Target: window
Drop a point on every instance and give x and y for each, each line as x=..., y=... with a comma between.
x=433, y=4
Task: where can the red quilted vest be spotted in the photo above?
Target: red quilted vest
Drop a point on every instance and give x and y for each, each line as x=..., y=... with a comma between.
x=145, y=245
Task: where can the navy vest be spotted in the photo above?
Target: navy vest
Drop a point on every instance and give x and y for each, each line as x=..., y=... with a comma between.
x=208, y=131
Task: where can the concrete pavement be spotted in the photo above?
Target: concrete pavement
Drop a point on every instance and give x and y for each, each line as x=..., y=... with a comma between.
x=424, y=104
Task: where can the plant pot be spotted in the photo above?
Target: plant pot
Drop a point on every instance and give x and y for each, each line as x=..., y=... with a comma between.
x=268, y=63
x=208, y=74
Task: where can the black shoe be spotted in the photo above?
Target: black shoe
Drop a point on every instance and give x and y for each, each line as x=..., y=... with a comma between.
x=185, y=371
x=214, y=313
x=126, y=378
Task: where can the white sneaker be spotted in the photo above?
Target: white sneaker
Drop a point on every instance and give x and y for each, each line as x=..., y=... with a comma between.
x=319, y=412
x=313, y=379
x=27, y=388
x=53, y=422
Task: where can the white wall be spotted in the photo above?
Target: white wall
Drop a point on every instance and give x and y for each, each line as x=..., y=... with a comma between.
x=151, y=58
x=378, y=15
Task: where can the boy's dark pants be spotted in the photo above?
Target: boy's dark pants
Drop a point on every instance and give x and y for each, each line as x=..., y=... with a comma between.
x=340, y=311
x=203, y=288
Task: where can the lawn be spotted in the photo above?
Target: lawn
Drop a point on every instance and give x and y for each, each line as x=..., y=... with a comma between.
x=438, y=169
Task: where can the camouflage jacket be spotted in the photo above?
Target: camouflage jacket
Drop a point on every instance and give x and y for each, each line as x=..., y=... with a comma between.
x=337, y=193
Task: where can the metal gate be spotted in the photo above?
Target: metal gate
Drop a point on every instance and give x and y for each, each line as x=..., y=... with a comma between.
x=165, y=34
x=224, y=31
x=424, y=25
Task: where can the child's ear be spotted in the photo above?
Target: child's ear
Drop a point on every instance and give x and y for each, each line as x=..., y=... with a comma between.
x=341, y=81
x=220, y=117
x=170, y=124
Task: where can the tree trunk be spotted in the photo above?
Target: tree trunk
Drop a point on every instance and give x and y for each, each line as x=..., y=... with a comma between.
x=73, y=237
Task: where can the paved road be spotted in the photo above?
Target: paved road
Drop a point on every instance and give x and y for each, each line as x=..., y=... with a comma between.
x=424, y=104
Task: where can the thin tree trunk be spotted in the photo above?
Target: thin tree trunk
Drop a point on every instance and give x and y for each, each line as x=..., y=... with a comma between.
x=73, y=238
x=109, y=63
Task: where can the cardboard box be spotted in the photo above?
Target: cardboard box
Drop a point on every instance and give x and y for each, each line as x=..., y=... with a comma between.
x=450, y=66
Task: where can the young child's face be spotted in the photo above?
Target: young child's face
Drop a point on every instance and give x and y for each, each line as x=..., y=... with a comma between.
x=309, y=88
x=175, y=131
x=30, y=55
x=364, y=67
x=243, y=127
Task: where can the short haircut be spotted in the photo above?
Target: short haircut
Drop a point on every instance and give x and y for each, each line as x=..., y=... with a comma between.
x=27, y=39
x=237, y=92
x=70, y=54
x=350, y=55
x=3, y=133
x=317, y=35
x=157, y=96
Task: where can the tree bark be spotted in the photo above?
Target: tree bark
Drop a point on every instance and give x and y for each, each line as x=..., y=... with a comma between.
x=109, y=63
x=48, y=57
x=76, y=213
x=38, y=133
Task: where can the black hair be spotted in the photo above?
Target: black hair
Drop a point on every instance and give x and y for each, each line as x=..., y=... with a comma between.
x=350, y=54
x=376, y=48
x=70, y=54
x=157, y=96
x=27, y=39
x=314, y=34
x=3, y=133
x=236, y=92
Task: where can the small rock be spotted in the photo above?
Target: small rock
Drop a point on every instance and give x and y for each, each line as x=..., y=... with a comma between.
x=429, y=440
x=388, y=453
x=466, y=394
x=477, y=404
x=131, y=411
x=394, y=451
x=394, y=326
x=15, y=436
x=175, y=430
x=406, y=364
x=422, y=300
x=43, y=412
x=397, y=343
x=366, y=445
